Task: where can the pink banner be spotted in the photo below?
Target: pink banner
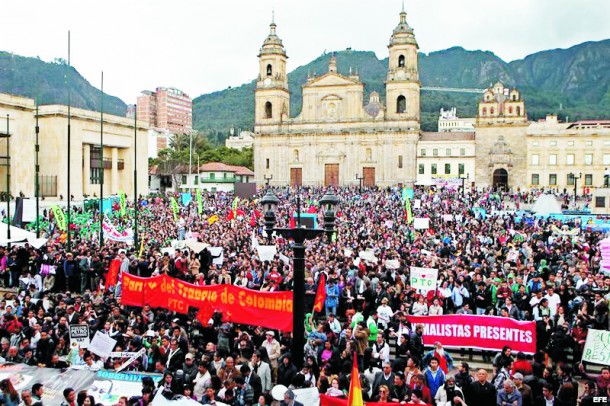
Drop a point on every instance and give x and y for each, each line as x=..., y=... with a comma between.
x=484, y=332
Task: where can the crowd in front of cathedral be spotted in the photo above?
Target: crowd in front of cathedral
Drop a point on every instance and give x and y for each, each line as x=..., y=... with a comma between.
x=492, y=264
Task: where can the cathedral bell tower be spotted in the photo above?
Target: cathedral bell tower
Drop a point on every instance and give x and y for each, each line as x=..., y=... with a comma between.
x=402, y=82
x=272, y=98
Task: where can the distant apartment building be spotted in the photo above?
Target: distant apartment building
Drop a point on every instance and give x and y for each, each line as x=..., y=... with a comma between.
x=167, y=109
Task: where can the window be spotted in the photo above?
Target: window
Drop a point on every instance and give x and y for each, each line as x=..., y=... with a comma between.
x=460, y=169
x=95, y=164
x=448, y=152
x=570, y=159
x=447, y=169
x=484, y=111
x=510, y=110
x=196, y=179
x=421, y=170
x=212, y=176
x=269, y=70
x=535, y=179
x=184, y=179
x=462, y=151
x=553, y=159
x=401, y=61
x=268, y=110
x=267, y=163
x=401, y=104
x=553, y=179
x=588, y=159
x=433, y=169
x=296, y=155
x=553, y=143
x=600, y=201
x=435, y=152
x=96, y=176
x=606, y=159
x=535, y=159
x=400, y=161
x=570, y=143
x=518, y=110
x=422, y=152
x=224, y=175
x=588, y=179
x=570, y=181
x=491, y=111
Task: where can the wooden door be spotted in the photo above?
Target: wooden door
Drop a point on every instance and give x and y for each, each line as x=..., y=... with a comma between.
x=296, y=176
x=369, y=177
x=331, y=175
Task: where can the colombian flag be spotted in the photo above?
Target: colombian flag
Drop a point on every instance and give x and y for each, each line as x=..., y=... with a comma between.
x=355, y=388
x=318, y=304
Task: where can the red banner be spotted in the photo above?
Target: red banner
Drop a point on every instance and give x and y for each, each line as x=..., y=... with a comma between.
x=326, y=400
x=238, y=305
x=318, y=303
x=484, y=332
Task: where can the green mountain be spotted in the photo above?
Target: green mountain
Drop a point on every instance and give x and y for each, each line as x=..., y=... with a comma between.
x=572, y=82
x=45, y=81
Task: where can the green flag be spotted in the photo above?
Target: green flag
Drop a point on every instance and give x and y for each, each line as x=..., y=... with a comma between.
x=123, y=204
x=175, y=207
x=408, y=210
x=199, y=202
x=60, y=219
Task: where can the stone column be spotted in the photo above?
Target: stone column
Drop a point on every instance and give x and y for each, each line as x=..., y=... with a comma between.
x=115, y=171
x=86, y=168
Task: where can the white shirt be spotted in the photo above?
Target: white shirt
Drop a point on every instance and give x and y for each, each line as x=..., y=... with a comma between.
x=554, y=302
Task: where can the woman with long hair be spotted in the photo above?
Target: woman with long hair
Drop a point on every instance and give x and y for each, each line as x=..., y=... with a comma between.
x=8, y=394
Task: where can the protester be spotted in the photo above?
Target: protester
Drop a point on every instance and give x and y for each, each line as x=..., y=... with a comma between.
x=490, y=261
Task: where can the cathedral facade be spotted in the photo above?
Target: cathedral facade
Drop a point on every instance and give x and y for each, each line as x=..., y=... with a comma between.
x=337, y=139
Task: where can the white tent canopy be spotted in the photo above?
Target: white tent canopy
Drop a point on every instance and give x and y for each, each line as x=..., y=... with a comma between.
x=545, y=205
x=17, y=235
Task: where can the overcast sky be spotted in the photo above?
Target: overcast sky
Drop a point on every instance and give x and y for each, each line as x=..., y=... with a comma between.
x=200, y=46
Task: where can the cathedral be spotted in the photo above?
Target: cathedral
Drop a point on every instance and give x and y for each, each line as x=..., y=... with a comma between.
x=337, y=139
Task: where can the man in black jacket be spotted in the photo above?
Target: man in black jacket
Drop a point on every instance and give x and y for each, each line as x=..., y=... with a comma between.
x=174, y=357
x=251, y=380
x=481, y=392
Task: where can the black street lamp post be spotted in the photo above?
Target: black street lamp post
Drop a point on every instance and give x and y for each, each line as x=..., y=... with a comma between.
x=464, y=182
x=299, y=235
x=267, y=179
x=573, y=176
x=360, y=179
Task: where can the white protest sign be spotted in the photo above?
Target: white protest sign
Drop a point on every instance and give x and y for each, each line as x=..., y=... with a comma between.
x=368, y=256
x=392, y=264
x=421, y=223
x=416, y=203
x=266, y=252
x=217, y=253
x=347, y=253
x=131, y=359
x=597, y=347
x=423, y=278
x=307, y=396
x=79, y=335
x=447, y=217
x=102, y=345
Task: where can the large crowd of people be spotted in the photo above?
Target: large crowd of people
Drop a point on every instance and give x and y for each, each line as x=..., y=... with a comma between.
x=490, y=261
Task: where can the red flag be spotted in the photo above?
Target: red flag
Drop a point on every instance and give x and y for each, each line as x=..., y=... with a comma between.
x=257, y=214
x=293, y=222
x=318, y=303
x=113, y=273
x=354, y=398
x=231, y=215
x=312, y=209
x=253, y=220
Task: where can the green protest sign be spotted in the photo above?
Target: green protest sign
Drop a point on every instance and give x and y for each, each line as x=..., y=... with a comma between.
x=597, y=347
